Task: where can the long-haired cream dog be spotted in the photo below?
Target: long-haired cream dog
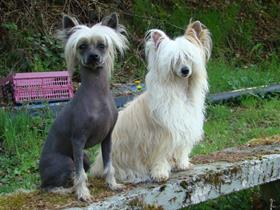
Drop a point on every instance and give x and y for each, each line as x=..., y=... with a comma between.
x=155, y=133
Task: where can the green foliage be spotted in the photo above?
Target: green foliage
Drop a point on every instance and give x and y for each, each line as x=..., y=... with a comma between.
x=238, y=200
x=133, y=68
x=26, y=50
x=20, y=132
x=221, y=25
x=21, y=138
x=243, y=32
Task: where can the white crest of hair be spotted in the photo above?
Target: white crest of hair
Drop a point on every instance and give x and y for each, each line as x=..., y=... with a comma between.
x=115, y=41
x=157, y=130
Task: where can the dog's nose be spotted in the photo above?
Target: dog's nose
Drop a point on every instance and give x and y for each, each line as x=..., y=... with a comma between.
x=185, y=71
x=93, y=58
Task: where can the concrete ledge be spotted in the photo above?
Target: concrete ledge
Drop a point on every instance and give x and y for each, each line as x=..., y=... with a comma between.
x=204, y=181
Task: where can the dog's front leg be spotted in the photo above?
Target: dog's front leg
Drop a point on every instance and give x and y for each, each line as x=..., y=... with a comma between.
x=160, y=167
x=160, y=170
x=109, y=172
x=80, y=179
x=181, y=158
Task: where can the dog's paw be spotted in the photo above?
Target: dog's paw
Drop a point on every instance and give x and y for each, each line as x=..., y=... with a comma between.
x=182, y=166
x=160, y=177
x=83, y=194
x=159, y=174
x=116, y=187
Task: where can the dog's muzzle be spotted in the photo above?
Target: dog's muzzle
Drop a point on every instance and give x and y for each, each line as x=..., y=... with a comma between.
x=93, y=59
x=185, y=71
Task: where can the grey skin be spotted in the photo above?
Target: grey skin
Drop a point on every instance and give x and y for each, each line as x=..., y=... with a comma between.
x=88, y=119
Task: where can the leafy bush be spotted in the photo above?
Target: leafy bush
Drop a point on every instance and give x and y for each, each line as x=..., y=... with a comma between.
x=244, y=32
x=26, y=50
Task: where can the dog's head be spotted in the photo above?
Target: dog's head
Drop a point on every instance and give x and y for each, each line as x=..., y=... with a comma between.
x=92, y=47
x=166, y=56
x=180, y=56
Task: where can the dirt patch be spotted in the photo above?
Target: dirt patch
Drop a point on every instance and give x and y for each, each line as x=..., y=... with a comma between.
x=219, y=156
x=253, y=149
x=264, y=141
x=43, y=200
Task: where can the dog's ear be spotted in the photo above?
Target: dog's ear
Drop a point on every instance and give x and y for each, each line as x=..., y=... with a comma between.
x=157, y=37
x=198, y=33
x=111, y=21
x=197, y=27
x=69, y=22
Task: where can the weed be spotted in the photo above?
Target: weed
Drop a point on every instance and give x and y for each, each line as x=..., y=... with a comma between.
x=21, y=139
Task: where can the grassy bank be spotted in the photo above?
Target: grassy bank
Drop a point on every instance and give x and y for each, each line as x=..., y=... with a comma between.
x=229, y=126
x=224, y=77
x=244, y=33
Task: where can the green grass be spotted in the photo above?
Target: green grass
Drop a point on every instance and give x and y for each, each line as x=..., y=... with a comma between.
x=242, y=200
x=222, y=75
x=21, y=138
x=229, y=126
x=225, y=77
x=226, y=126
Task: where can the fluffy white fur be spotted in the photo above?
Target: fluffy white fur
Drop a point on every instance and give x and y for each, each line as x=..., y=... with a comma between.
x=115, y=40
x=155, y=133
x=80, y=186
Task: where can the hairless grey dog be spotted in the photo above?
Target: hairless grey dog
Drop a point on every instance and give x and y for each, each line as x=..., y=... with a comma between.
x=88, y=119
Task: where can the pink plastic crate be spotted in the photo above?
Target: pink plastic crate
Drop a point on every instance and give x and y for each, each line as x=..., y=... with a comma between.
x=41, y=86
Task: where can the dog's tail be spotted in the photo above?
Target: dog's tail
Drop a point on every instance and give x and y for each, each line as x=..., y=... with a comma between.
x=97, y=168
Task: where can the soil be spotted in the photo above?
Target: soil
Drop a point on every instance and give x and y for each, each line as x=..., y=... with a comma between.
x=43, y=200
x=253, y=149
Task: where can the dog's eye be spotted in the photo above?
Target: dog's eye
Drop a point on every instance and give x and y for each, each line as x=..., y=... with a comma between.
x=101, y=46
x=83, y=46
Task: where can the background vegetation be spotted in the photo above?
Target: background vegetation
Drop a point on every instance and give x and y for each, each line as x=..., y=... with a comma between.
x=22, y=135
x=245, y=35
x=246, y=53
